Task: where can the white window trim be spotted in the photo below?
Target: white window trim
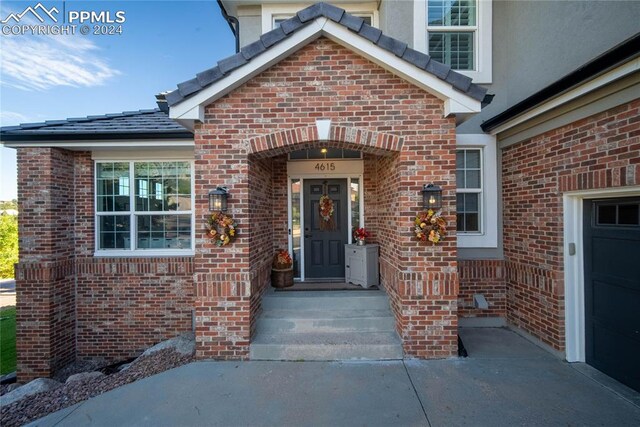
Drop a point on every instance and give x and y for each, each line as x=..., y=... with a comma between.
x=476, y=190
x=482, y=43
x=488, y=237
x=271, y=12
x=139, y=253
x=574, y=265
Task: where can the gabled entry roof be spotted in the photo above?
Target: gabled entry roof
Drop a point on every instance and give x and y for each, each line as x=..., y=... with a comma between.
x=461, y=96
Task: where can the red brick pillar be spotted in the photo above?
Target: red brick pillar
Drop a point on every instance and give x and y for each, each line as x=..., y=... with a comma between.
x=222, y=274
x=45, y=284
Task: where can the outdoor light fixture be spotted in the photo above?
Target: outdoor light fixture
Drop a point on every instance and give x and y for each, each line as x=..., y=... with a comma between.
x=323, y=150
x=218, y=199
x=431, y=197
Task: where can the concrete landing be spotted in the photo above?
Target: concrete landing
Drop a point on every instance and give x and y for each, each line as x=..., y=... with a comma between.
x=521, y=385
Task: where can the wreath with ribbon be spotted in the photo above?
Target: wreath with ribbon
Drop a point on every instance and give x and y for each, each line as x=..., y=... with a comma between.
x=430, y=226
x=222, y=228
x=326, y=207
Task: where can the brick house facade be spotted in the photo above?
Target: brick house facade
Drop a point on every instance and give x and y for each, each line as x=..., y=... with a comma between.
x=323, y=79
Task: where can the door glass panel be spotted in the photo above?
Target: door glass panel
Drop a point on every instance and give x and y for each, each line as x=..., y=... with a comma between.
x=628, y=215
x=295, y=225
x=355, y=203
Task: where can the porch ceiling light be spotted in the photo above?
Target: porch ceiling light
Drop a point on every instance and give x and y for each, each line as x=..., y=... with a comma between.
x=431, y=197
x=218, y=199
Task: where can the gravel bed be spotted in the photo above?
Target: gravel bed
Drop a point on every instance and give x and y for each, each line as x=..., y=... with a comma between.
x=41, y=404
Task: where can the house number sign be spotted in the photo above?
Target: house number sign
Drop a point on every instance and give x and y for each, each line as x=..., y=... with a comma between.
x=325, y=168
x=329, y=166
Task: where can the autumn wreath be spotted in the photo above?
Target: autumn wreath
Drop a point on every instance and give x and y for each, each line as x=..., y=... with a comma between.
x=222, y=228
x=430, y=226
x=326, y=207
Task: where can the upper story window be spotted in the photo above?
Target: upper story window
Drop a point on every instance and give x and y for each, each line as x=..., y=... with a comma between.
x=451, y=29
x=456, y=33
x=144, y=206
x=277, y=19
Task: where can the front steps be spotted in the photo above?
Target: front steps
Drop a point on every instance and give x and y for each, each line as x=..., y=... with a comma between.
x=326, y=325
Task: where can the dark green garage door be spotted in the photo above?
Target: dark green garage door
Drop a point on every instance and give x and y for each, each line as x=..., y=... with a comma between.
x=612, y=288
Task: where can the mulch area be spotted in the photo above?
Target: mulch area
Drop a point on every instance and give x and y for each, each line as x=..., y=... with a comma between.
x=41, y=404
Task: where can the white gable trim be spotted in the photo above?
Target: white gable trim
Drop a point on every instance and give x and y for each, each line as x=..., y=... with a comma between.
x=192, y=109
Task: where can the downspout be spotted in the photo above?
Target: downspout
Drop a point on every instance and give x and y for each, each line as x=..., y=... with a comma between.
x=234, y=24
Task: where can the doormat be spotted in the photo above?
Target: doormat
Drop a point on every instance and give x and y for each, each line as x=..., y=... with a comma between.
x=325, y=286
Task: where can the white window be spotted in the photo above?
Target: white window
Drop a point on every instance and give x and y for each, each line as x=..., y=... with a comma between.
x=451, y=31
x=469, y=190
x=456, y=33
x=277, y=19
x=477, y=191
x=274, y=14
x=152, y=216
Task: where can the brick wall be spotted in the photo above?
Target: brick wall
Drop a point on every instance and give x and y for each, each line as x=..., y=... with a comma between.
x=602, y=151
x=44, y=276
x=325, y=80
x=70, y=304
x=486, y=277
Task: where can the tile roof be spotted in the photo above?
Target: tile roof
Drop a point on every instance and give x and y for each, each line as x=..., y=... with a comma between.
x=304, y=17
x=129, y=124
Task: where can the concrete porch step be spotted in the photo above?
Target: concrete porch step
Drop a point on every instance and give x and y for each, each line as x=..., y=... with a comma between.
x=334, y=300
x=327, y=346
x=298, y=321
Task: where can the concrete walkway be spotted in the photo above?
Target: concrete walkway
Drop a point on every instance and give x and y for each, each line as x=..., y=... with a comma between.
x=7, y=293
x=505, y=381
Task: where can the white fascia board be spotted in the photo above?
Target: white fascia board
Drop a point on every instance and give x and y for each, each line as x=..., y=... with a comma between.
x=241, y=75
x=90, y=145
x=585, y=88
x=187, y=110
x=459, y=102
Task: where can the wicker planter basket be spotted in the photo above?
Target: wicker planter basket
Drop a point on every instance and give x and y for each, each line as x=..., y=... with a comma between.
x=282, y=278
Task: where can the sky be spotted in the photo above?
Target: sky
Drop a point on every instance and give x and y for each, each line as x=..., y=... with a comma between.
x=59, y=76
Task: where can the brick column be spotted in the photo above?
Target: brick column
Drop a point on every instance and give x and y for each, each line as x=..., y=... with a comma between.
x=45, y=283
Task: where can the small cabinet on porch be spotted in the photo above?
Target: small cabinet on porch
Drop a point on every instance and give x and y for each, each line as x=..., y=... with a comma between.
x=361, y=265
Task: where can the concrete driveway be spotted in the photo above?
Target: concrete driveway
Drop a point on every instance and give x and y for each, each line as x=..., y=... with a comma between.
x=505, y=381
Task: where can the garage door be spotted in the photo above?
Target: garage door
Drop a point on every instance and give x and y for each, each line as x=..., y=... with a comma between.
x=612, y=288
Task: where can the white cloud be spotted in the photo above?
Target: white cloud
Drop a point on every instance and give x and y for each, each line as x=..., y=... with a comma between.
x=11, y=118
x=43, y=62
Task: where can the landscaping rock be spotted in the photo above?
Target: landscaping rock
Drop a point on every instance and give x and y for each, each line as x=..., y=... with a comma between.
x=124, y=367
x=184, y=344
x=8, y=378
x=84, y=376
x=36, y=386
x=13, y=386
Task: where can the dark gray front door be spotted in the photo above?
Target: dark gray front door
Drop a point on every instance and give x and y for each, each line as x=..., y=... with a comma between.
x=612, y=288
x=324, y=241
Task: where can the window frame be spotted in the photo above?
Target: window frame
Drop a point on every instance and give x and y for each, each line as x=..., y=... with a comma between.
x=482, y=43
x=133, y=215
x=489, y=207
x=478, y=190
x=271, y=12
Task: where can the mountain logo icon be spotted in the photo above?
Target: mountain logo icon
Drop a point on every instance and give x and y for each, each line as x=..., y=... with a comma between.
x=33, y=11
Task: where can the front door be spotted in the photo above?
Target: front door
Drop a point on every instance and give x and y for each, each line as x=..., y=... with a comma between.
x=325, y=231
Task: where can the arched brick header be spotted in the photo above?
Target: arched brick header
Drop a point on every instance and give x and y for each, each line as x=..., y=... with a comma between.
x=351, y=138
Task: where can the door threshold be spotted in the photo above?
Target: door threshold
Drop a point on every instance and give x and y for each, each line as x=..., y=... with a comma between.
x=308, y=285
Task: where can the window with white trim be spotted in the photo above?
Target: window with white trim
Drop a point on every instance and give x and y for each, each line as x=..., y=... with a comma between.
x=144, y=206
x=457, y=33
x=451, y=31
x=277, y=19
x=469, y=190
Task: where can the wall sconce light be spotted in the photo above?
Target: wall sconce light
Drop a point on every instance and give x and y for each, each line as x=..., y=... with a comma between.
x=431, y=197
x=218, y=199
